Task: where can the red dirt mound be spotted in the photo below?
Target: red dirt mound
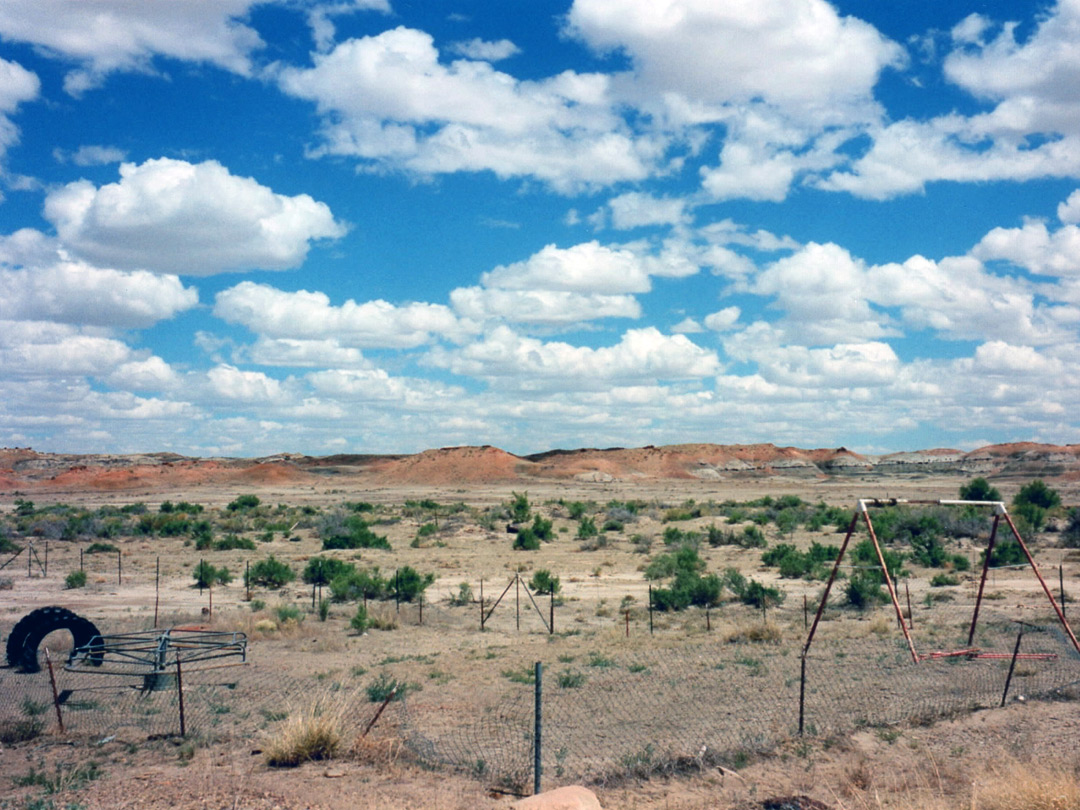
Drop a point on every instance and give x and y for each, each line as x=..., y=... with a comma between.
x=448, y=465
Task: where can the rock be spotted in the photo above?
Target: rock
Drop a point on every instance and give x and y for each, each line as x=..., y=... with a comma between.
x=572, y=797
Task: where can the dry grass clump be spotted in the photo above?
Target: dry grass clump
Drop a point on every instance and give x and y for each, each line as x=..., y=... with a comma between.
x=1011, y=785
x=312, y=732
x=766, y=632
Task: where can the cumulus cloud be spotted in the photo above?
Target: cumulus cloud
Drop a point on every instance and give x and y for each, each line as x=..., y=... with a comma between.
x=231, y=383
x=485, y=50
x=1069, y=211
x=541, y=307
x=636, y=209
x=587, y=267
x=1034, y=247
x=794, y=53
x=308, y=315
x=171, y=216
x=723, y=320
x=41, y=349
x=388, y=99
x=39, y=283
x=17, y=85
x=641, y=356
x=111, y=35
x=1032, y=130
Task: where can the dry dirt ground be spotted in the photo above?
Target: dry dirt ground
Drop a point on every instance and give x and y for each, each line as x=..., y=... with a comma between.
x=904, y=766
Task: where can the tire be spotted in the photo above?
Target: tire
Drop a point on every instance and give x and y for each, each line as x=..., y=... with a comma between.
x=27, y=634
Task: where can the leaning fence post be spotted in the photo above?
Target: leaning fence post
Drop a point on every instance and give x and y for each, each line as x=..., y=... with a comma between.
x=802, y=694
x=55, y=696
x=119, y=568
x=1012, y=665
x=481, y=605
x=538, y=726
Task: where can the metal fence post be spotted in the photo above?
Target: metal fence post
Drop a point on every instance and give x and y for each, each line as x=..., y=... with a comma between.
x=1012, y=665
x=538, y=727
x=802, y=695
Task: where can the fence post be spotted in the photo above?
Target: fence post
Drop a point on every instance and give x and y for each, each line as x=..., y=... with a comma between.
x=421, y=607
x=650, y=611
x=119, y=568
x=180, y=696
x=157, y=586
x=538, y=727
x=55, y=696
x=481, y=605
x=247, y=581
x=80, y=559
x=551, y=614
x=45, y=570
x=1061, y=585
x=517, y=601
x=397, y=590
x=1012, y=665
x=802, y=694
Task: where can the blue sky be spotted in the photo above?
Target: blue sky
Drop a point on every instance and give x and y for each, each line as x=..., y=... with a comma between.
x=242, y=228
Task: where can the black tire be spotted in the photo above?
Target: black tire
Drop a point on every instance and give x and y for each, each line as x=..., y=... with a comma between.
x=27, y=634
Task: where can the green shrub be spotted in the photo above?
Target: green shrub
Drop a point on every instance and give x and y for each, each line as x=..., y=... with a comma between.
x=576, y=509
x=542, y=528
x=863, y=589
x=351, y=532
x=520, y=511
x=942, y=580
x=384, y=686
x=359, y=621
x=75, y=579
x=1006, y=552
x=231, y=542
x=544, y=582
x=270, y=573
x=757, y=595
x=323, y=570
x=205, y=575
x=353, y=585
x=587, y=528
x=410, y=584
x=243, y=503
x=464, y=596
x=324, y=610
x=526, y=540
x=979, y=489
x=288, y=613
x=101, y=548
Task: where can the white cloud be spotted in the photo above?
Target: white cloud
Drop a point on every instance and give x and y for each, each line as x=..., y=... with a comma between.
x=149, y=374
x=687, y=326
x=321, y=17
x=588, y=267
x=541, y=307
x=171, y=216
x=50, y=287
x=793, y=53
x=90, y=155
x=723, y=320
x=636, y=209
x=302, y=353
x=641, y=356
x=252, y=387
x=308, y=315
x=486, y=51
x=1034, y=248
x=43, y=350
x=17, y=85
x=109, y=35
x=1069, y=211
x=389, y=99
x=1033, y=131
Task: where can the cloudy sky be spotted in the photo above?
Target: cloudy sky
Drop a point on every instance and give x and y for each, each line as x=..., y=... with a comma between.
x=241, y=227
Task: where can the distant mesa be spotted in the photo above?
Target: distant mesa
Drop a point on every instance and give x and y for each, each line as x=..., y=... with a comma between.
x=24, y=470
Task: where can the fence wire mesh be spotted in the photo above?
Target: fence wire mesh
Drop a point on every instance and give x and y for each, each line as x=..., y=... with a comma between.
x=675, y=706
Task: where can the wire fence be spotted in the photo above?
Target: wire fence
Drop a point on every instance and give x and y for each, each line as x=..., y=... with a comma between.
x=662, y=708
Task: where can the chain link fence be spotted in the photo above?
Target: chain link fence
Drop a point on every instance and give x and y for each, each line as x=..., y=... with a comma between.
x=700, y=703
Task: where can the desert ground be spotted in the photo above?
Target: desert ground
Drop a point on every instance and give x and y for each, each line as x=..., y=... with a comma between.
x=969, y=759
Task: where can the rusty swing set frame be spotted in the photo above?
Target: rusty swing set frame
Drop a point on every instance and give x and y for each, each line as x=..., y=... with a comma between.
x=862, y=510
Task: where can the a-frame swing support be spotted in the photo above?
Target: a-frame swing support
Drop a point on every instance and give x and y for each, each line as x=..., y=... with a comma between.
x=1000, y=512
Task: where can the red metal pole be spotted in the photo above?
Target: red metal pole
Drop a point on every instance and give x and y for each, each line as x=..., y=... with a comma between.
x=1045, y=587
x=832, y=578
x=982, y=579
x=892, y=590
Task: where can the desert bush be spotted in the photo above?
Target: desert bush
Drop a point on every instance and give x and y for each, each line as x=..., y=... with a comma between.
x=288, y=613
x=354, y=585
x=586, y=528
x=101, y=548
x=544, y=582
x=519, y=508
x=359, y=622
x=464, y=596
x=526, y=540
x=688, y=586
x=410, y=584
x=384, y=686
x=270, y=573
x=1070, y=536
x=232, y=542
x=757, y=595
x=338, y=530
x=943, y=580
x=979, y=489
x=206, y=575
x=324, y=570
x=75, y=579
x=243, y=503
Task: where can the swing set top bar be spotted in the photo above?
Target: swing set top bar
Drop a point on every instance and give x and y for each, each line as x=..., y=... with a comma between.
x=999, y=506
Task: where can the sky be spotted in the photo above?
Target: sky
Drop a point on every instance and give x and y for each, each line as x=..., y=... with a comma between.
x=240, y=228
